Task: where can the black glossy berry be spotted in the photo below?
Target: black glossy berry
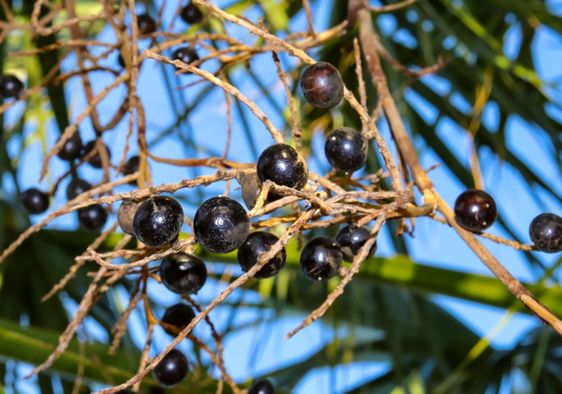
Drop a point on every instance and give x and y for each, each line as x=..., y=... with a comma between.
x=178, y=316
x=262, y=386
x=72, y=148
x=158, y=221
x=95, y=161
x=76, y=187
x=191, y=14
x=92, y=217
x=475, y=210
x=126, y=215
x=10, y=86
x=346, y=149
x=546, y=232
x=282, y=165
x=321, y=258
x=351, y=238
x=254, y=247
x=183, y=273
x=322, y=85
x=221, y=224
x=35, y=201
x=186, y=54
x=146, y=24
x=172, y=369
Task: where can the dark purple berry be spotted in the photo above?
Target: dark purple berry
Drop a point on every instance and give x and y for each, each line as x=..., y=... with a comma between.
x=321, y=258
x=186, y=54
x=158, y=221
x=126, y=215
x=475, y=210
x=35, y=201
x=221, y=225
x=178, y=316
x=10, y=86
x=546, y=232
x=257, y=244
x=95, y=161
x=92, y=217
x=191, y=14
x=183, y=273
x=76, y=187
x=146, y=24
x=282, y=165
x=346, y=149
x=351, y=238
x=262, y=386
x=72, y=148
x=172, y=369
x=322, y=85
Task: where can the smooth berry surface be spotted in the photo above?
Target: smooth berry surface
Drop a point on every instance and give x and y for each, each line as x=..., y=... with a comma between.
x=10, y=86
x=92, y=217
x=35, y=201
x=183, y=273
x=76, y=187
x=321, y=258
x=262, y=386
x=95, y=161
x=158, y=221
x=186, y=54
x=146, y=24
x=351, y=238
x=254, y=247
x=172, y=369
x=221, y=224
x=71, y=149
x=191, y=14
x=281, y=164
x=322, y=85
x=126, y=215
x=546, y=232
x=178, y=316
x=475, y=210
x=346, y=149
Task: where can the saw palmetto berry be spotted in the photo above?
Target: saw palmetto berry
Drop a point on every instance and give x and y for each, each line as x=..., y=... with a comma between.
x=262, y=386
x=146, y=24
x=351, y=239
x=172, y=369
x=346, y=149
x=93, y=217
x=96, y=160
x=126, y=215
x=183, y=273
x=475, y=210
x=35, y=201
x=322, y=85
x=256, y=245
x=283, y=165
x=71, y=149
x=221, y=224
x=321, y=258
x=191, y=14
x=158, y=220
x=176, y=318
x=185, y=54
x=10, y=86
x=546, y=232
x=76, y=187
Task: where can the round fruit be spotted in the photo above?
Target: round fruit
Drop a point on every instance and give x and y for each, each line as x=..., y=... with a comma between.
x=10, y=86
x=262, y=386
x=35, y=201
x=158, y=221
x=146, y=24
x=126, y=214
x=321, y=258
x=76, y=187
x=178, y=316
x=172, y=369
x=254, y=247
x=191, y=14
x=546, y=232
x=250, y=188
x=322, y=85
x=346, y=149
x=351, y=238
x=72, y=148
x=186, y=54
x=92, y=217
x=221, y=225
x=183, y=273
x=282, y=165
x=475, y=210
x=95, y=161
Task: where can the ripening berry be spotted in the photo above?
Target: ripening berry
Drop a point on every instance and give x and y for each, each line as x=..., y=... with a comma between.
x=322, y=85
x=546, y=232
x=126, y=215
x=475, y=210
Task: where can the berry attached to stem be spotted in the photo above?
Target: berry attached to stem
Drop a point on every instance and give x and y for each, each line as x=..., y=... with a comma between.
x=158, y=221
x=92, y=217
x=321, y=258
x=322, y=85
x=475, y=210
x=346, y=149
x=72, y=148
x=126, y=215
x=262, y=386
x=95, y=161
x=183, y=273
x=351, y=238
x=76, y=187
x=546, y=232
x=35, y=201
x=172, y=369
x=191, y=14
x=10, y=86
x=146, y=24
x=255, y=246
x=282, y=165
x=177, y=316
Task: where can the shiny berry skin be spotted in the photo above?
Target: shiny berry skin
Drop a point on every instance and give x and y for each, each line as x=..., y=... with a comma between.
x=221, y=224
x=172, y=369
x=126, y=214
x=321, y=258
x=254, y=247
x=183, y=273
x=186, y=54
x=92, y=217
x=72, y=148
x=146, y=24
x=546, y=232
x=158, y=221
x=262, y=386
x=191, y=14
x=178, y=316
x=282, y=165
x=475, y=210
x=10, y=86
x=95, y=161
x=351, y=238
x=346, y=149
x=35, y=201
x=76, y=187
x=322, y=85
